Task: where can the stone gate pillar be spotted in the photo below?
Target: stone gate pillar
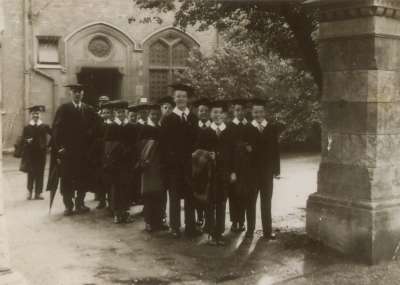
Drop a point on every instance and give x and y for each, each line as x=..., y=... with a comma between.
x=356, y=209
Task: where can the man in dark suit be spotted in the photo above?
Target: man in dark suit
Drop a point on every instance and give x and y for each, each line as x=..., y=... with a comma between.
x=35, y=148
x=73, y=131
x=178, y=136
x=265, y=162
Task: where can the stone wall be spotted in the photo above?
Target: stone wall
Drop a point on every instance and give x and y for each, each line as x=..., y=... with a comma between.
x=61, y=18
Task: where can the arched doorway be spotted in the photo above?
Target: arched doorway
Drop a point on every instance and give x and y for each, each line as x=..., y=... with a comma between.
x=100, y=56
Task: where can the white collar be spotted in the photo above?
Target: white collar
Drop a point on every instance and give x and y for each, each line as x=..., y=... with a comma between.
x=237, y=122
x=141, y=121
x=206, y=124
x=150, y=123
x=179, y=112
x=77, y=105
x=263, y=123
x=221, y=127
x=120, y=123
x=108, y=121
x=38, y=123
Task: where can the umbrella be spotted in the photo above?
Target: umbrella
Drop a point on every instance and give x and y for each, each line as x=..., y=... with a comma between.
x=54, y=178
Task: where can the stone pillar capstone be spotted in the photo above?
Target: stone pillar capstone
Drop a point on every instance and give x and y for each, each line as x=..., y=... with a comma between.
x=356, y=209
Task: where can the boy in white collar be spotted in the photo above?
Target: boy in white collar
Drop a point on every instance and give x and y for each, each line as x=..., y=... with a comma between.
x=219, y=142
x=239, y=190
x=265, y=162
x=152, y=187
x=202, y=106
x=34, y=155
x=119, y=160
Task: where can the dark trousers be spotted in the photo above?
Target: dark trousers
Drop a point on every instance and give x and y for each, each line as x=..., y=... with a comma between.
x=104, y=191
x=153, y=209
x=180, y=185
x=237, y=209
x=35, y=177
x=70, y=189
x=216, y=208
x=120, y=192
x=264, y=186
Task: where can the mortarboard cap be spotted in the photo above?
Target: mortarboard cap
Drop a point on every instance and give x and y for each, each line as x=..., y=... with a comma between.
x=104, y=98
x=166, y=100
x=182, y=87
x=116, y=104
x=258, y=102
x=37, y=108
x=202, y=102
x=239, y=101
x=219, y=104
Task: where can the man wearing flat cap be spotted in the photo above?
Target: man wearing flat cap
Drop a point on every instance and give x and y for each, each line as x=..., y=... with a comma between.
x=73, y=131
x=177, y=141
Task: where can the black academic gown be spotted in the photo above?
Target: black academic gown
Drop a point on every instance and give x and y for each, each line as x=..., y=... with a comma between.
x=152, y=187
x=119, y=159
x=223, y=147
x=238, y=191
x=74, y=131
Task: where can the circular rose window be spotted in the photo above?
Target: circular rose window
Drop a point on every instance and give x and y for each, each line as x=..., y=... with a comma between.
x=100, y=46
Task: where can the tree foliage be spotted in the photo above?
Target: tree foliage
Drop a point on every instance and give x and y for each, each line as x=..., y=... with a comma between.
x=285, y=29
x=233, y=72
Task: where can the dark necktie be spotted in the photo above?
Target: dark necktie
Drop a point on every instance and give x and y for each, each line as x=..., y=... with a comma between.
x=184, y=117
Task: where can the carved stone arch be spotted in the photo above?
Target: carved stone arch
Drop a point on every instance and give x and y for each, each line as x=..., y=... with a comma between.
x=170, y=32
x=101, y=45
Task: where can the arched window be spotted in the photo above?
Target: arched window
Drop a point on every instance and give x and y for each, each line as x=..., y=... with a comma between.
x=168, y=51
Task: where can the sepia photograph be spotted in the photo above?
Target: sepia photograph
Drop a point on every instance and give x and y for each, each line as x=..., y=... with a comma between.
x=200, y=142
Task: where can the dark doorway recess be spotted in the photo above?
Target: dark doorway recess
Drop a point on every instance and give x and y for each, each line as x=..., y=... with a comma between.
x=98, y=82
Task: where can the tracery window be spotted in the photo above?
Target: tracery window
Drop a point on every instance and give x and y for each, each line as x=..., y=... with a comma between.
x=168, y=53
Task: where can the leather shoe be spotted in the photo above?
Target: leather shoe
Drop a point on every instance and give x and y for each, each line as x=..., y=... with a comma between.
x=38, y=197
x=176, y=234
x=192, y=233
x=68, y=212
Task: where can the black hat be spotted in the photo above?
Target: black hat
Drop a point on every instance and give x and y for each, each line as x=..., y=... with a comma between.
x=182, y=87
x=151, y=106
x=166, y=100
x=116, y=104
x=74, y=86
x=219, y=104
x=143, y=104
x=202, y=102
x=104, y=98
x=37, y=108
x=239, y=101
x=258, y=102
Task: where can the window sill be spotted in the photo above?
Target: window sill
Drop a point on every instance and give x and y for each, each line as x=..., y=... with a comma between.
x=49, y=66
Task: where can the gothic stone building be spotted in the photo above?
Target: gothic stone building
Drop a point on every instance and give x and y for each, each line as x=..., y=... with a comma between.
x=47, y=43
